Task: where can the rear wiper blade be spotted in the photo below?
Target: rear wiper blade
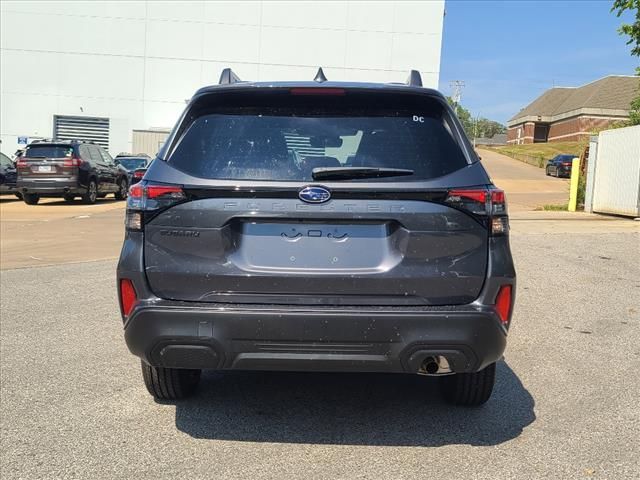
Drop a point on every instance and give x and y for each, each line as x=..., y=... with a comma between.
x=346, y=173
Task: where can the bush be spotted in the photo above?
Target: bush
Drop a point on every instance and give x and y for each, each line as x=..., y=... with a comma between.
x=582, y=187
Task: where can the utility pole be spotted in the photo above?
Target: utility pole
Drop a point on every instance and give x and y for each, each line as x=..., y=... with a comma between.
x=456, y=95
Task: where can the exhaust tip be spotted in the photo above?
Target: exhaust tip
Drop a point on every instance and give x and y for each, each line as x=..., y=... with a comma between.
x=431, y=366
x=437, y=365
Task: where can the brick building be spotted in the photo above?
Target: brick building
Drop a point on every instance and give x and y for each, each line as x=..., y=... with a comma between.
x=570, y=113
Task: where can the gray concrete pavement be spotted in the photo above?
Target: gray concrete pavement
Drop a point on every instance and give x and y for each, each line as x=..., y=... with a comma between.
x=72, y=403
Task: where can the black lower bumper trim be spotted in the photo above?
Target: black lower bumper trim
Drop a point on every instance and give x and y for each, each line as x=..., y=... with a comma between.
x=314, y=340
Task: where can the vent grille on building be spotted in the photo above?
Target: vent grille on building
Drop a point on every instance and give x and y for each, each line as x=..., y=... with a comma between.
x=88, y=129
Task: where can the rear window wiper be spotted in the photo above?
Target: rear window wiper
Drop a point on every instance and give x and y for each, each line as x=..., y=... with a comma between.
x=347, y=173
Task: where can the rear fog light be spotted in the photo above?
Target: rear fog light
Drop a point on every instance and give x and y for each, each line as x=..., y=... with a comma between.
x=503, y=303
x=128, y=296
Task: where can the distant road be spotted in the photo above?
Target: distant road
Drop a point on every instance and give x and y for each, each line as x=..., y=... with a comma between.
x=527, y=187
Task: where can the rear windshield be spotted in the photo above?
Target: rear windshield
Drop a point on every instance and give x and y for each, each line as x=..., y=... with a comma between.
x=132, y=163
x=287, y=144
x=48, y=151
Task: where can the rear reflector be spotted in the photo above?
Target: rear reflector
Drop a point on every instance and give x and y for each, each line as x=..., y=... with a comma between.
x=503, y=303
x=128, y=296
x=316, y=91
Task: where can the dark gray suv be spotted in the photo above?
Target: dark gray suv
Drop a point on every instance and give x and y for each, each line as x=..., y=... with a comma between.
x=317, y=226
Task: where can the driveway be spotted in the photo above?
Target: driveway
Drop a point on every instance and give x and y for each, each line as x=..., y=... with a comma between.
x=527, y=187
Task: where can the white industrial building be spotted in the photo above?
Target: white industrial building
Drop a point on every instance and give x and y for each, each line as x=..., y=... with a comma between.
x=104, y=69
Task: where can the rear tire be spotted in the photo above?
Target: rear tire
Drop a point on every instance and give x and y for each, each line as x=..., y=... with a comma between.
x=469, y=389
x=31, y=198
x=92, y=193
x=170, y=383
x=121, y=194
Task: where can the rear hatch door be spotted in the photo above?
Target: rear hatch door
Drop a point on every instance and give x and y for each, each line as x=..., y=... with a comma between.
x=249, y=232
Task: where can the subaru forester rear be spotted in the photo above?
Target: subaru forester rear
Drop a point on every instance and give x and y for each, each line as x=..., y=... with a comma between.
x=317, y=226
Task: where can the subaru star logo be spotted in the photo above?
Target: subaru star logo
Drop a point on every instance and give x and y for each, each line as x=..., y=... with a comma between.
x=314, y=194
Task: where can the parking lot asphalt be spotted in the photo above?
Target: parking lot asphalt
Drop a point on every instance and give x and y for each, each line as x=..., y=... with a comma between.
x=565, y=405
x=54, y=232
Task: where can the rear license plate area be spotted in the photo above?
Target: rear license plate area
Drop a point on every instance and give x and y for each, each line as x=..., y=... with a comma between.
x=316, y=247
x=44, y=169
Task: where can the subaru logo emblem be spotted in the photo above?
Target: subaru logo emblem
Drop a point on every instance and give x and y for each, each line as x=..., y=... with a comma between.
x=313, y=194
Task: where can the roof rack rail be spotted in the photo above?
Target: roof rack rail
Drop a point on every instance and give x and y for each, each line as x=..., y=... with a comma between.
x=414, y=79
x=227, y=77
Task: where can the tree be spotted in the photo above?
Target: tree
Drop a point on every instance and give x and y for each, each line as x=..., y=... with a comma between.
x=633, y=32
x=476, y=127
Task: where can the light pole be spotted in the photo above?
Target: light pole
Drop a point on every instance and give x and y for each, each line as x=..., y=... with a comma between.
x=475, y=129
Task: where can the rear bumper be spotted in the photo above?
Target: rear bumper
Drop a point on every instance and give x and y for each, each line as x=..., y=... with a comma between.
x=50, y=186
x=315, y=338
x=180, y=335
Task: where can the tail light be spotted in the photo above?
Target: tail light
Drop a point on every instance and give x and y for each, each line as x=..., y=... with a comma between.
x=72, y=162
x=138, y=174
x=22, y=162
x=128, y=296
x=487, y=204
x=566, y=164
x=503, y=303
x=145, y=201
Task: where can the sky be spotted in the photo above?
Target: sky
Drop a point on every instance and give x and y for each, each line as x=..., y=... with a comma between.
x=508, y=53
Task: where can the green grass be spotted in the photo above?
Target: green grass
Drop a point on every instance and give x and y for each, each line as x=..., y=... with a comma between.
x=546, y=150
x=554, y=208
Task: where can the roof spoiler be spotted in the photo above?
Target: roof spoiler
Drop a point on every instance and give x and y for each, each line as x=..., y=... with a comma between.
x=227, y=77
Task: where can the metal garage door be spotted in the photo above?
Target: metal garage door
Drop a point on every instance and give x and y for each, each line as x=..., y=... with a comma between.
x=89, y=129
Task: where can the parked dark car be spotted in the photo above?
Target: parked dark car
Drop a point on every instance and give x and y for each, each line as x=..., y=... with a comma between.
x=317, y=226
x=560, y=166
x=7, y=176
x=138, y=174
x=69, y=169
x=133, y=166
